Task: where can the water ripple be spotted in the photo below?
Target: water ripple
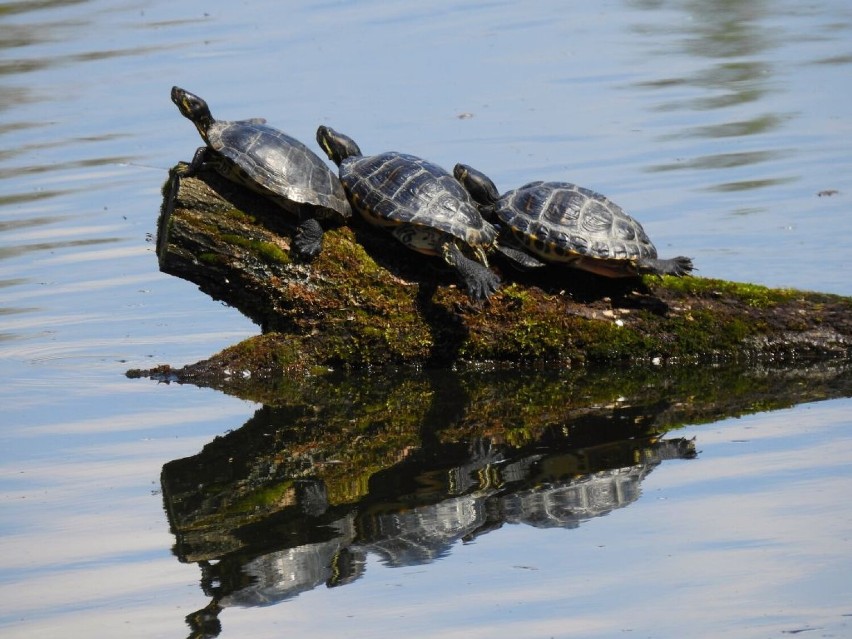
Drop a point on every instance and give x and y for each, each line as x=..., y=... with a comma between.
x=722, y=160
x=740, y=128
x=23, y=249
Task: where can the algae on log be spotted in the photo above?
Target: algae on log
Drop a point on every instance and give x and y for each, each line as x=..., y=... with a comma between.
x=367, y=301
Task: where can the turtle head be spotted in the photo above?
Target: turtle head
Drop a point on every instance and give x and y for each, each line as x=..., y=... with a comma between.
x=479, y=185
x=193, y=108
x=337, y=146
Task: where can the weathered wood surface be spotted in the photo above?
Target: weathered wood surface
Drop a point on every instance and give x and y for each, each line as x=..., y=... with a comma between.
x=367, y=301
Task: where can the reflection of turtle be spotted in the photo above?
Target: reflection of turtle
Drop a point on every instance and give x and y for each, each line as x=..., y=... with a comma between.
x=423, y=205
x=271, y=163
x=561, y=222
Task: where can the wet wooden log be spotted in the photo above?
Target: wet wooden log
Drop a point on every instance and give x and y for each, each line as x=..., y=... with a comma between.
x=367, y=301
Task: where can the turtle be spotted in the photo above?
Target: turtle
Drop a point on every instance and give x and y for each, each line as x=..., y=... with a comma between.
x=560, y=222
x=269, y=162
x=420, y=203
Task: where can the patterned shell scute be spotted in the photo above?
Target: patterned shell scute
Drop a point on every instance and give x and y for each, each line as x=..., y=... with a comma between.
x=280, y=164
x=396, y=188
x=562, y=217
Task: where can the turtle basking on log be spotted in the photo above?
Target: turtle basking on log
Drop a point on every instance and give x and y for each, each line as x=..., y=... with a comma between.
x=564, y=223
x=422, y=205
x=269, y=162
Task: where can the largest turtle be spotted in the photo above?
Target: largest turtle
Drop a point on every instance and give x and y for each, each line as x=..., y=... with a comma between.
x=569, y=224
x=421, y=204
x=271, y=163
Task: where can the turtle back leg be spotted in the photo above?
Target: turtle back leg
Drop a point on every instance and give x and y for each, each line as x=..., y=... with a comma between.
x=677, y=266
x=480, y=281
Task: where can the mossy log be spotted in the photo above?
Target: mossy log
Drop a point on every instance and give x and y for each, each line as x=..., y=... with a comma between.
x=367, y=301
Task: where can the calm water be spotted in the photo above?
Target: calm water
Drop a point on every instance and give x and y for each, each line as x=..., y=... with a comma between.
x=718, y=124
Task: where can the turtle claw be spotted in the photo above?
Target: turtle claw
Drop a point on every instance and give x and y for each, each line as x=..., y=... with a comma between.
x=197, y=163
x=307, y=243
x=677, y=266
x=481, y=288
x=681, y=265
x=481, y=282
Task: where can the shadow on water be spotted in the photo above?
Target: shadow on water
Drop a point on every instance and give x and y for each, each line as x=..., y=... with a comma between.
x=334, y=469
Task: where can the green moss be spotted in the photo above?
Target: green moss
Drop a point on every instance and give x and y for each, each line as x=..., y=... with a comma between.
x=242, y=216
x=266, y=355
x=266, y=250
x=750, y=294
x=700, y=332
x=604, y=341
x=516, y=296
x=534, y=338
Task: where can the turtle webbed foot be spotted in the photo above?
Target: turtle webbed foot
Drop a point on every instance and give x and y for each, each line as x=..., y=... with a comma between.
x=480, y=281
x=677, y=266
x=307, y=243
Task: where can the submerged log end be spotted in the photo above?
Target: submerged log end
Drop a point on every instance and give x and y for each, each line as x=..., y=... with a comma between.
x=367, y=301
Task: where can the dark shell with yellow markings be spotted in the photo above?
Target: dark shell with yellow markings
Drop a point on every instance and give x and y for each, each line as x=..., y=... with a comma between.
x=392, y=189
x=561, y=221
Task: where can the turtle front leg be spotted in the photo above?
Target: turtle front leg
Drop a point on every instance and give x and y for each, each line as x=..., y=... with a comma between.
x=198, y=161
x=518, y=258
x=191, y=169
x=307, y=242
x=480, y=282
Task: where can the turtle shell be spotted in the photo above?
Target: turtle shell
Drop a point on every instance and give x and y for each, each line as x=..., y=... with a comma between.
x=562, y=222
x=392, y=189
x=274, y=164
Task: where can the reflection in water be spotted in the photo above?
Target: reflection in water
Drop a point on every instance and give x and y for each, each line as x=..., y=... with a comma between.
x=731, y=35
x=732, y=40
x=494, y=486
x=19, y=36
x=405, y=468
x=60, y=149
x=29, y=41
x=21, y=249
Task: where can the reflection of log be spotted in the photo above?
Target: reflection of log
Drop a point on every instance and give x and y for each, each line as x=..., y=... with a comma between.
x=347, y=465
x=367, y=301
x=376, y=443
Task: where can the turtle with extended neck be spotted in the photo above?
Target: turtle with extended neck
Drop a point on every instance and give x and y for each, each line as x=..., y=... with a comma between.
x=420, y=203
x=269, y=162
